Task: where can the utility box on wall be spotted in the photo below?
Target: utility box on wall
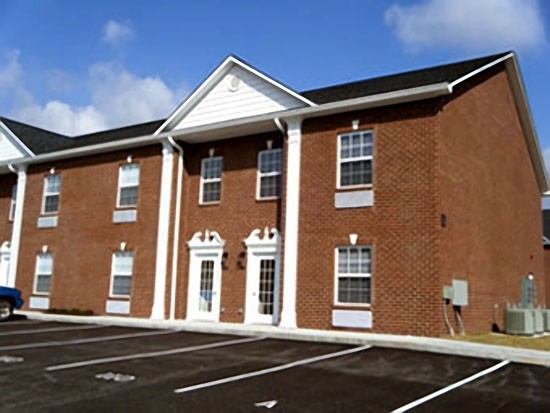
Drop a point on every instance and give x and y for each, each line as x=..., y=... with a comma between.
x=460, y=293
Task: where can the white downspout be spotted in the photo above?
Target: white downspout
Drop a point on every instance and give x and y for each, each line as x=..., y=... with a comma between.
x=177, y=223
x=21, y=172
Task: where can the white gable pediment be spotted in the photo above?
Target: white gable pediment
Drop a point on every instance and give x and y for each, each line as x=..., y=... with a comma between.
x=9, y=149
x=233, y=91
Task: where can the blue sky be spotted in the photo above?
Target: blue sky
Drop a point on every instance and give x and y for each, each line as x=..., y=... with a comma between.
x=79, y=66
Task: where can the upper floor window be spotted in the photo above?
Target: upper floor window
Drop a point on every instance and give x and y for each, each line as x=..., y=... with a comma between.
x=353, y=275
x=211, y=179
x=355, y=159
x=128, y=184
x=122, y=268
x=52, y=187
x=13, y=202
x=43, y=273
x=269, y=174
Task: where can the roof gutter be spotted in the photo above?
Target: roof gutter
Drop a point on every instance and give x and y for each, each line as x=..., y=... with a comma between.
x=381, y=99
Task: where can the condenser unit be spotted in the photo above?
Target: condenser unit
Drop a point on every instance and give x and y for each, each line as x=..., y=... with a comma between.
x=539, y=320
x=520, y=321
x=546, y=319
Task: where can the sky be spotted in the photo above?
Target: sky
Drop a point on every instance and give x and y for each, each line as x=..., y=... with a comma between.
x=80, y=66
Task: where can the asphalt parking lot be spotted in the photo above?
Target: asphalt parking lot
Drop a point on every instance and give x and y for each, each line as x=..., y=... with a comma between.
x=52, y=366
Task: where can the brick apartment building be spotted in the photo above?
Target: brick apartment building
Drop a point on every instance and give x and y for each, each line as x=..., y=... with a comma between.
x=347, y=207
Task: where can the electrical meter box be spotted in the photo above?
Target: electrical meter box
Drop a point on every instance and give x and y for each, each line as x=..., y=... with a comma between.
x=460, y=292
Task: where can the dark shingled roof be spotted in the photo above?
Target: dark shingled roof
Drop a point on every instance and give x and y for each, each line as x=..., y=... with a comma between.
x=391, y=83
x=41, y=141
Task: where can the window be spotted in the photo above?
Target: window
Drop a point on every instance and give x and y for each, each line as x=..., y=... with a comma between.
x=121, y=283
x=211, y=180
x=355, y=159
x=353, y=275
x=50, y=202
x=43, y=273
x=13, y=202
x=128, y=183
x=269, y=174
x=207, y=285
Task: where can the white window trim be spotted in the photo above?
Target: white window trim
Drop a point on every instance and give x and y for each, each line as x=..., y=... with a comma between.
x=46, y=194
x=130, y=274
x=336, y=277
x=36, y=274
x=261, y=175
x=13, y=203
x=121, y=185
x=204, y=181
x=359, y=158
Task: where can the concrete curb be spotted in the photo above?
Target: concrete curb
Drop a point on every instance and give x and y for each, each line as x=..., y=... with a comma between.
x=426, y=344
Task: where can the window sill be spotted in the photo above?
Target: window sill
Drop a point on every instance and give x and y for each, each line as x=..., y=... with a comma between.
x=354, y=187
x=273, y=198
x=209, y=203
x=350, y=306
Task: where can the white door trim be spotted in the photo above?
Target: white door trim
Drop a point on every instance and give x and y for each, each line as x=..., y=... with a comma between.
x=259, y=249
x=209, y=247
x=5, y=251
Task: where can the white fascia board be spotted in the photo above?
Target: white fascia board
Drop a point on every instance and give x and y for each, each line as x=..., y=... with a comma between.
x=202, y=90
x=528, y=126
x=382, y=99
x=480, y=69
x=272, y=81
x=15, y=140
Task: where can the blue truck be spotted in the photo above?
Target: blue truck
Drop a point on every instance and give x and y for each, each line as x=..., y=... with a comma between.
x=10, y=299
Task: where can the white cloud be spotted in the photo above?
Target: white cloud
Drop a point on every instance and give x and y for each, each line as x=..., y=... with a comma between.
x=116, y=33
x=117, y=97
x=472, y=25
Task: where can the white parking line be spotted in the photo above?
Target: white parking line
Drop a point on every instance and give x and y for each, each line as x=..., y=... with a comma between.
x=152, y=354
x=48, y=330
x=447, y=389
x=83, y=340
x=272, y=369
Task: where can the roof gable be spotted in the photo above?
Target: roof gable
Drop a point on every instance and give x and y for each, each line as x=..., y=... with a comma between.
x=11, y=146
x=234, y=90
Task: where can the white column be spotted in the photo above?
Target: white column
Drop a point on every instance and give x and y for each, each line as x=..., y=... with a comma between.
x=290, y=268
x=17, y=223
x=161, y=267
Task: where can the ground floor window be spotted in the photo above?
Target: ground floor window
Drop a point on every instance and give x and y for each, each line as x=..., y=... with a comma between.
x=43, y=273
x=122, y=268
x=267, y=286
x=353, y=275
x=206, y=285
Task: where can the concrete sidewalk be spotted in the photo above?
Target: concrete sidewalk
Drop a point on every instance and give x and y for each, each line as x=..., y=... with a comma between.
x=427, y=344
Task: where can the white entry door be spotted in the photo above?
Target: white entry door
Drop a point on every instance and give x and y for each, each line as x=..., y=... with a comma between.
x=4, y=264
x=262, y=277
x=262, y=296
x=205, y=276
x=204, y=289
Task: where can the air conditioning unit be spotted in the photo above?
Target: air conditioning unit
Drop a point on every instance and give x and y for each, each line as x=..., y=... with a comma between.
x=520, y=321
x=539, y=320
x=546, y=319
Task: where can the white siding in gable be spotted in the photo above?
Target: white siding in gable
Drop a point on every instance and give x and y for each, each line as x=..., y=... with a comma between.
x=7, y=149
x=237, y=95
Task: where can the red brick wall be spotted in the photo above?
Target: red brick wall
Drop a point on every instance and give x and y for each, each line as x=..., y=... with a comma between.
x=233, y=218
x=6, y=184
x=490, y=197
x=401, y=226
x=85, y=238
